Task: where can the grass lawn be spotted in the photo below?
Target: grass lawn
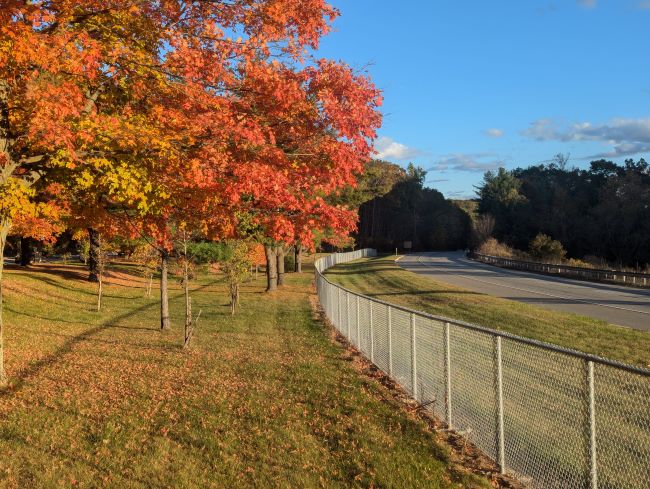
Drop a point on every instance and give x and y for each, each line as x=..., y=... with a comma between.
x=383, y=279
x=264, y=399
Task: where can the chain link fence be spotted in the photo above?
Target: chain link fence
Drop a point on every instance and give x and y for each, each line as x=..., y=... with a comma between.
x=552, y=417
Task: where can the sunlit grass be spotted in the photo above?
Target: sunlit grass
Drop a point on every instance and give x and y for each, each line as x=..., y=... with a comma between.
x=383, y=279
x=264, y=399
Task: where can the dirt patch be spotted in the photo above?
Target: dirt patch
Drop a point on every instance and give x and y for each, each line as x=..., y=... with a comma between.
x=465, y=457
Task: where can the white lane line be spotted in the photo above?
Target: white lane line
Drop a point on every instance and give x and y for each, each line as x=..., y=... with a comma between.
x=570, y=282
x=584, y=301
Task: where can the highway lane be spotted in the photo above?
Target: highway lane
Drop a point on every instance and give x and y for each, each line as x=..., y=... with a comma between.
x=616, y=304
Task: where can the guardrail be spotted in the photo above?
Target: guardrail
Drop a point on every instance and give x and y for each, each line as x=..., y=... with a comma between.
x=550, y=416
x=628, y=278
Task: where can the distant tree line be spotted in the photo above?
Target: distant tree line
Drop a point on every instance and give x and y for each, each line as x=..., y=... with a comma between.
x=602, y=211
x=395, y=208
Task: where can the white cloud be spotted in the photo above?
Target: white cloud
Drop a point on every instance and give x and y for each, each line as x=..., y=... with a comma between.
x=623, y=149
x=389, y=149
x=644, y=5
x=587, y=3
x=627, y=136
x=476, y=162
x=543, y=130
x=493, y=132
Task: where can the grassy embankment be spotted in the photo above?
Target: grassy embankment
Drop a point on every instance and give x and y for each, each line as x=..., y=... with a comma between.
x=383, y=279
x=263, y=399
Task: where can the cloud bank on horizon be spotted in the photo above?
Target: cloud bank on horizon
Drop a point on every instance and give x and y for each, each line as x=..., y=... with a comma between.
x=628, y=137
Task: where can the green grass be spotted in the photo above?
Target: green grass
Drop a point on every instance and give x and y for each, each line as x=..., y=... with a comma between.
x=381, y=278
x=264, y=399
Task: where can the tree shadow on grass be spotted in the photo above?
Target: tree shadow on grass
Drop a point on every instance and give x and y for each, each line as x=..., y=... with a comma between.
x=29, y=372
x=43, y=317
x=33, y=369
x=78, y=290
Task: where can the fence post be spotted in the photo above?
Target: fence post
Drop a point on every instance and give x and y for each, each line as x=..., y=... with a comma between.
x=390, y=343
x=347, y=313
x=447, y=377
x=325, y=290
x=372, y=336
x=593, y=461
x=338, y=309
x=414, y=364
x=358, y=326
x=499, y=386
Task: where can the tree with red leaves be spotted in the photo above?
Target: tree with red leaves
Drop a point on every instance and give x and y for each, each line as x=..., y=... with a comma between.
x=129, y=98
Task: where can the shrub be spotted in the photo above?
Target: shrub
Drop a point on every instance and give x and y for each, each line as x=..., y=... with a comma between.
x=543, y=247
x=206, y=252
x=493, y=248
x=289, y=261
x=573, y=262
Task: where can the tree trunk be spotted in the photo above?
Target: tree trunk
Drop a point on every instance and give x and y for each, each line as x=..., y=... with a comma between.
x=188, y=303
x=234, y=293
x=280, y=256
x=297, y=258
x=4, y=231
x=99, y=293
x=149, y=286
x=164, y=291
x=26, y=251
x=94, y=258
x=271, y=268
x=189, y=326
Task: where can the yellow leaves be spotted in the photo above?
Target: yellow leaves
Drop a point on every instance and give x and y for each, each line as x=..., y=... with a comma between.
x=128, y=184
x=15, y=198
x=39, y=220
x=85, y=180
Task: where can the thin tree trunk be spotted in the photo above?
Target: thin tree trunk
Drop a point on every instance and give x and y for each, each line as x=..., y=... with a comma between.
x=26, y=251
x=99, y=293
x=94, y=258
x=280, y=256
x=4, y=231
x=189, y=327
x=233, y=299
x=297, y=258
x=271, y=268
x=164, y=291
x=186, y=290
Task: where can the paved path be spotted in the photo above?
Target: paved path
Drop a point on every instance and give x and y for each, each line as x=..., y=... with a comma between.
x=615, y=304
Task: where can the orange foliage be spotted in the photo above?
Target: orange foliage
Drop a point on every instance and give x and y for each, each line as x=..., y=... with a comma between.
x=256, y=254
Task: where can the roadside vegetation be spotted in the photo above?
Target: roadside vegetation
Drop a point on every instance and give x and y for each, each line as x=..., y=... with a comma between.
x=381, y=278
x=599, y=215
x=261, y=399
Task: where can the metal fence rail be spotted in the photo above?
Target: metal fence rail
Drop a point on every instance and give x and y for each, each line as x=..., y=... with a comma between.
x=552, y=417
x=630, y=278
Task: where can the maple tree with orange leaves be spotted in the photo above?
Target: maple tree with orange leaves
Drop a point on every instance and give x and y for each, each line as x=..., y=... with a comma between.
x=149, y=113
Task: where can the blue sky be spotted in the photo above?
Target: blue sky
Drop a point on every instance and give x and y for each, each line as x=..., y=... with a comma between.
x=470, y=85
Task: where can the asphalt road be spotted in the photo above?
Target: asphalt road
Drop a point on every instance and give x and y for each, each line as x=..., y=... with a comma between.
x=615, y=304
